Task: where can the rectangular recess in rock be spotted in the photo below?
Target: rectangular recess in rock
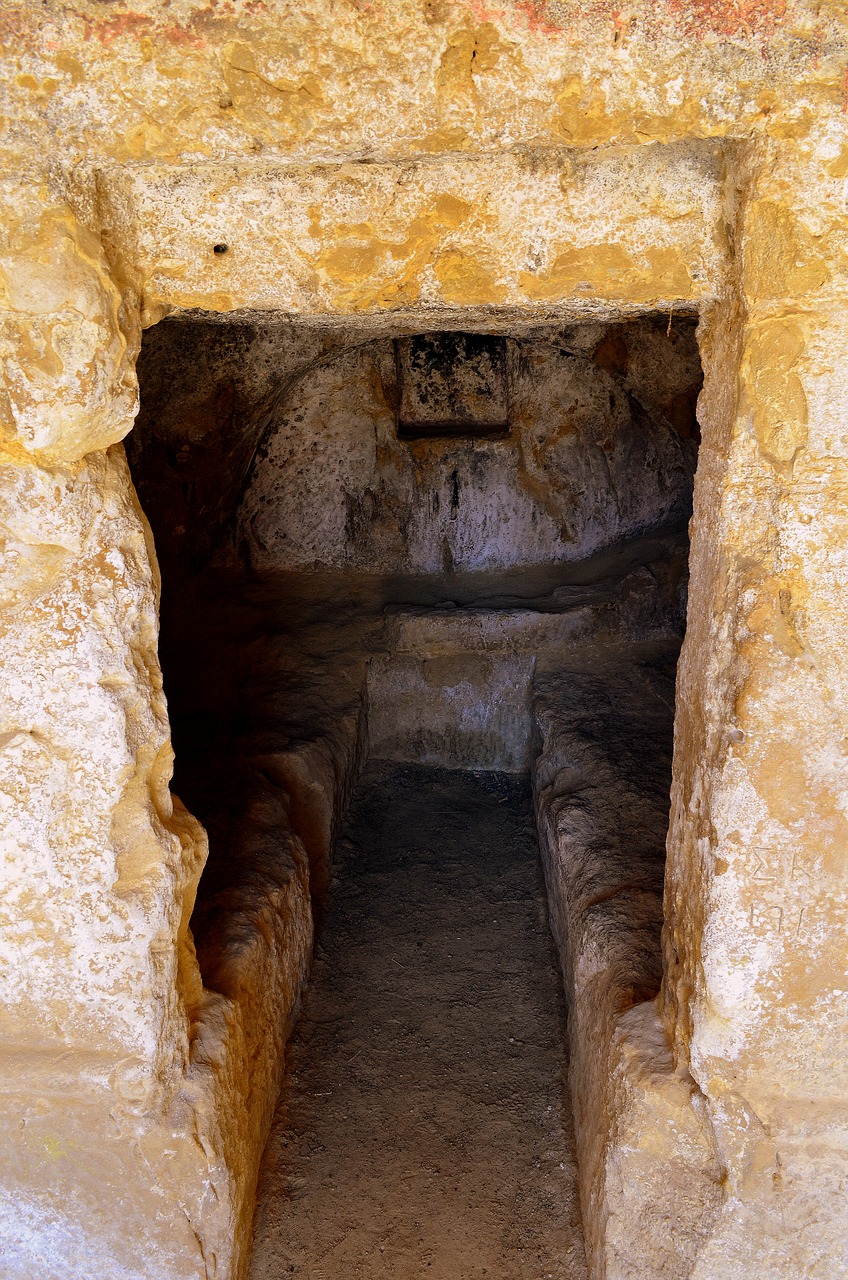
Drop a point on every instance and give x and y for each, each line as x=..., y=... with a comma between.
x=452, y=384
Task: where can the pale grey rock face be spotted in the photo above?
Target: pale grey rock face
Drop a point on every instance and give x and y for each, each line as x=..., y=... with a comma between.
x=585, y=456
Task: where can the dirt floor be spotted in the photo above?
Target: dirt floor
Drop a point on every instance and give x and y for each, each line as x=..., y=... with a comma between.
x=424, y=1125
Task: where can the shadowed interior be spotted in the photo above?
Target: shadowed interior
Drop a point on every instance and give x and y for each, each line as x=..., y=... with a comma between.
x=457, y=551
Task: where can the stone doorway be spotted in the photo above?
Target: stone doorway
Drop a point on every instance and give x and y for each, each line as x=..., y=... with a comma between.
x=500, y=590
x=387, y=172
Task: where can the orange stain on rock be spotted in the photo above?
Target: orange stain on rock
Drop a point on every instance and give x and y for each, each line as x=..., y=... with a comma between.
x=728, y=17
x=182, y=35
x=696, y=17
x=107, y=30
x=183, y=38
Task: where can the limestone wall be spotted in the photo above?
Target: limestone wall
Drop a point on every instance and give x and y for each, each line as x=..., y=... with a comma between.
x=755, y=862
x=190, y=83
x=603, y=714
x=100, y=864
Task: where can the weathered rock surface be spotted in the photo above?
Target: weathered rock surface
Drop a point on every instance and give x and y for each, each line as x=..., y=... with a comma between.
x=399, y=162
x=601, y=783
x=68, y=338
x=586, y=463
x=453, y=684
x=194, y=83
x=757, y=928
x=100, y=868
x=508, y=233
x=84, y=713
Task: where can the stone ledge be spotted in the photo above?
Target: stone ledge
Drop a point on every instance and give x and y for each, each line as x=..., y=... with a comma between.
x=509, y=231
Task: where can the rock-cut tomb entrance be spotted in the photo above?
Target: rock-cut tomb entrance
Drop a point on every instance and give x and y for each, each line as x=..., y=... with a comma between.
x=419, y=590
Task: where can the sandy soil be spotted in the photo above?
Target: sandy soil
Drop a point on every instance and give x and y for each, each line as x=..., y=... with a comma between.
x=424, y=1126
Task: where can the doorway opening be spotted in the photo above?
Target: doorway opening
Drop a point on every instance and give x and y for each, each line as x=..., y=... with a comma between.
x=456, y=552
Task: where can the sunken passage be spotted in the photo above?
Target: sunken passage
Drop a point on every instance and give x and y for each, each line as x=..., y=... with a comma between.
x=424, y=1126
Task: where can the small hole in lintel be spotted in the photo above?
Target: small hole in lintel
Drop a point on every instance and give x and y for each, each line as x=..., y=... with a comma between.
x=220, y=248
